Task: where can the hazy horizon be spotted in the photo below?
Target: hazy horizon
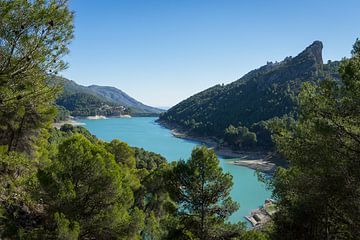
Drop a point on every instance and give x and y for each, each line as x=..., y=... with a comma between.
x=199, y=44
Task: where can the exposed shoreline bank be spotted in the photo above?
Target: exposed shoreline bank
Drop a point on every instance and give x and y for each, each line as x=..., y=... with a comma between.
x=71, y=122
x=262, y=161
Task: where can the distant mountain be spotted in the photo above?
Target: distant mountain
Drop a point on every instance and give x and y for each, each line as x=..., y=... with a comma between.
x=235, y=113
x=115, y=95
x=91, y=100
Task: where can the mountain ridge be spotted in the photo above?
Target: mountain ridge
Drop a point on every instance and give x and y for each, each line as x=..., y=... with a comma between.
x=115, y=95
x=242, y=106
x=95, y=99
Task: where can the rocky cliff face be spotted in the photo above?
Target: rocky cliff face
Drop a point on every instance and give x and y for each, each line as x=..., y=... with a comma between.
x=262, y=94
x=315, y=52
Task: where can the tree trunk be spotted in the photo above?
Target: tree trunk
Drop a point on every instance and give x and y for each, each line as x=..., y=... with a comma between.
x=18, y=133
x=203, y=237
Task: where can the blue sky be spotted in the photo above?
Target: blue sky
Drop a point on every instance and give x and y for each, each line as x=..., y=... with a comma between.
x=163, y=51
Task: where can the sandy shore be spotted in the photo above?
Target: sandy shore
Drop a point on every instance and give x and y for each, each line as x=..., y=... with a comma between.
x=72, y=122
x=258, y=160
x=96, y=117
x=261, y=161
x=261, y=165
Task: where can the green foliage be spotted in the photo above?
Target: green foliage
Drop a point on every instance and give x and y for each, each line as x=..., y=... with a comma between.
x=152, y=228
x=17, y=178
x=68, y=130
x=33, y=37
x=318, y=196
x=56, y=136
x=61, y=114
x=65, y=229
x=82, y=104
x=16, y=170
x=356, y=47
x=67, y=184
x=152, y=196
x=258, y=96
x=202, y=191
x=238, y=137
x=122, y=152
x=147, y=181
x=253, y=235
x=102, y=100
x=148, y=160
x=87, y=186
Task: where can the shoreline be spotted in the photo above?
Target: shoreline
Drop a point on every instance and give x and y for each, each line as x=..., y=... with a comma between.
x=261, y=216
x=58, y=125
x=259, y=160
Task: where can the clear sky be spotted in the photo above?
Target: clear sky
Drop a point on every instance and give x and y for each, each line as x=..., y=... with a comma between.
x=163, y=51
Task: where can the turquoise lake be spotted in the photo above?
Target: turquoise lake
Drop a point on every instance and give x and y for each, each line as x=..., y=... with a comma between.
x=146, y=133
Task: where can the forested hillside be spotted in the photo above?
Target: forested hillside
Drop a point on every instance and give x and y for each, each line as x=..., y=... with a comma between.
x=319, y=194
x=115, y=95
x=236, y=113
x=67, y=184
x=98, y=100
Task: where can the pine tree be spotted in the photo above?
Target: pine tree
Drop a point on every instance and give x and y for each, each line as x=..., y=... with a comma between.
x=33, y=38
x=319, y=195
x=202, y=191
x=87, y=187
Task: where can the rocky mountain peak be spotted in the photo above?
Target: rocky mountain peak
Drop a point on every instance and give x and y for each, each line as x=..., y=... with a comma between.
x=314, y=51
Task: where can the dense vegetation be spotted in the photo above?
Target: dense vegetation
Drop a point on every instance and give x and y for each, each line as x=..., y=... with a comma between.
x=109, y=101
x=33, y=38
x=62, y=114
x=84, y=188
x=82, y=104
x=236, y=113
x=319, y=194
x=115, y=95
x=66, y=183
x=203, y=193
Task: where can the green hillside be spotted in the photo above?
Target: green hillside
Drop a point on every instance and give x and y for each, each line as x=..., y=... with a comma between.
x=109, y=101
x=83, y=104
x=235, y=113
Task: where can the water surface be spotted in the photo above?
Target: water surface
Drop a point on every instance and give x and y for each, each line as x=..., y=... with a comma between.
x=146, y=133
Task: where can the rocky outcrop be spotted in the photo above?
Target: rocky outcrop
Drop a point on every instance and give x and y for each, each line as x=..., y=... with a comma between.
x=259, y=95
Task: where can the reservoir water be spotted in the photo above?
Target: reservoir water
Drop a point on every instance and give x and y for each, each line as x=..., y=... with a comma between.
x=146, y=133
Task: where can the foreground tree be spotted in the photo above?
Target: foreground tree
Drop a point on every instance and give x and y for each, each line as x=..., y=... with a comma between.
x=147, y=180
x=319, y=195
x=202, y=191
x=122, y=152
x=85, y=187
x=33, y=38
x=17, y=174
